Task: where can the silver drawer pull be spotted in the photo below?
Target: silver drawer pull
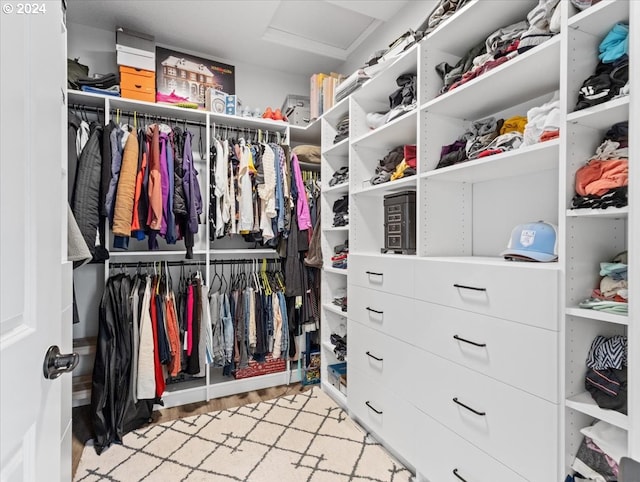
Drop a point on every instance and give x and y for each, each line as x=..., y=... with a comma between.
x=373, y=273
x=482, y=345
x=373, y=356
x=474, y=288
x=482, y=414
x=455, y=472
x=374, y=311
x=379, y=412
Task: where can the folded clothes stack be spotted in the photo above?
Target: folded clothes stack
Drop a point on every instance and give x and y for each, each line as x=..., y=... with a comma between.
x=490, y=136
x=401, y=101
x=603, y=181
x=612, y=294
x=342, y=129
x=340, y=344
x=340, y=176
x=339, y=260
x=506, y=43
x=341, y=301
x=611, y=77
x=398, y=163
x=341, y=212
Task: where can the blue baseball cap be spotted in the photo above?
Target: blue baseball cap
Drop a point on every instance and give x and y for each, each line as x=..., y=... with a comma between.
x=533, y=242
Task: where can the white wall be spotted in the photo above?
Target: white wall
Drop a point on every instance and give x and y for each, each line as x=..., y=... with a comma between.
x=409, y=17
x=256, y=86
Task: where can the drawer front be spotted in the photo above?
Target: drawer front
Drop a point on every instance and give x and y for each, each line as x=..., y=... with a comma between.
x=520, y=355
x=501, y=420
x=383, y=311
x=125, y=70
x=138, y=83
x=440, y=452
x=388, y=274
x=137, y=95
x=390, y=418
x=367, y=352
x=367, y=401
x=512, y=291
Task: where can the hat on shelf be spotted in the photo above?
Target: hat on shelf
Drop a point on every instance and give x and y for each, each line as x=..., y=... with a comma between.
x=533, y=242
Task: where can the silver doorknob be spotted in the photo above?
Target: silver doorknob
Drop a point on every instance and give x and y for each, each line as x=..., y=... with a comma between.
x=55, y=364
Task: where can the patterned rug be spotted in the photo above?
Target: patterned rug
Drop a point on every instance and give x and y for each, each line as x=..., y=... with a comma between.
x=298, y=438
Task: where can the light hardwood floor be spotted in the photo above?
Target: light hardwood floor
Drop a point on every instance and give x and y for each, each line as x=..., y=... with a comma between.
x=82, y=428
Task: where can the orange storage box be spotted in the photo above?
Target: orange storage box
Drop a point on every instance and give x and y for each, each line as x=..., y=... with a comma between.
x=137, y=84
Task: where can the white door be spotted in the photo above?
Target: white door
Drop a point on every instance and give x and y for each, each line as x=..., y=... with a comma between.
x=35, y=279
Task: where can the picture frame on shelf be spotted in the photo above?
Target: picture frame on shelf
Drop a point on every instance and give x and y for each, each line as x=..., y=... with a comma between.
x=190, y=76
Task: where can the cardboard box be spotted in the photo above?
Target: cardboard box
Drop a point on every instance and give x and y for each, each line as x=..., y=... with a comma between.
x=215, y=101
x=233, y=106
x=297, y=109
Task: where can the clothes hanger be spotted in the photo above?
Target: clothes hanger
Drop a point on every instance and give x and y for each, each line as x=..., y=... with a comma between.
x=200, y=144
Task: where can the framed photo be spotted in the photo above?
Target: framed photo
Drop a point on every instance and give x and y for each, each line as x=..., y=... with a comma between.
x=190, y=76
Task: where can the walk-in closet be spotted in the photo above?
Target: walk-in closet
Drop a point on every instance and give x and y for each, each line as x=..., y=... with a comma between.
x=320, y=240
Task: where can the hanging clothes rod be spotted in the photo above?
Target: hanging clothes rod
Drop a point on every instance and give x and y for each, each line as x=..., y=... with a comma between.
x=247, y=131
x=141, y=264
x=85, y=108
x=142, y=116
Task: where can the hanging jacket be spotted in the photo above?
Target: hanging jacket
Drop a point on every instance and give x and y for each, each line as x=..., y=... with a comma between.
x=245, y=194
x=179, y=201
x=154, y=219
x=293, y=268
x=173, y=331
x=105, y=176
x=164, y=178
x=72, y=153
x=171, y=235
x=157, y=363
x=140, y=206
x=302, y=204
x=191, y=186
x=86, y=193
x=146, y=384
x=125, y=194
x=116, y=160
x=193, y=360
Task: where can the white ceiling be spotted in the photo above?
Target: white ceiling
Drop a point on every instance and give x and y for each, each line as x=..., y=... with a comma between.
x=296, y=36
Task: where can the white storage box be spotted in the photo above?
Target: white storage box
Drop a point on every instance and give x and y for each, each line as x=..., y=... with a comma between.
x=135, y=49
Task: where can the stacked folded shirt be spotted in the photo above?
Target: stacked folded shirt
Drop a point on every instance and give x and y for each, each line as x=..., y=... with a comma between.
x=341, y=301
x=603, y=181
x=506, y=43
x=401, y=101
x=341, y=212
x=490, y=136
x=339, y=260
x=340, y=344
x=342, y=129
x=340, y=176
x=612, y=295
x=611, y=77
x=606, y=377
x=600, y=452
x=398, y=163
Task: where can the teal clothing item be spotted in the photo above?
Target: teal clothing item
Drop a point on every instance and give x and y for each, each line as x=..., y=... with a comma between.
x=615, y=44
x=617, y=271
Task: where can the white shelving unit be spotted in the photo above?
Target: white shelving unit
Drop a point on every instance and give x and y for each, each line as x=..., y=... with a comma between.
x=447, y=309
x=335, y=155
x=591, y=236
x=213, y=385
